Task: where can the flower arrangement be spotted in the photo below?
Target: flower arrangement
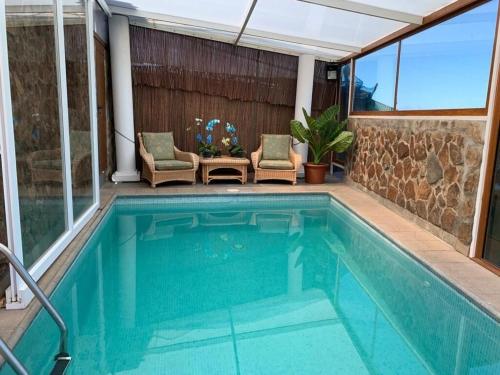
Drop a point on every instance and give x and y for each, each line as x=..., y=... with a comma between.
x=232, y=142
x=206, y=144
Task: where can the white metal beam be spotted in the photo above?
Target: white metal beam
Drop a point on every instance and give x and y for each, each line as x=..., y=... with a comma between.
x=226, y=38
x=233, y=29
x=245, y=22
x=105, y=7
x=369, y=10
x=301, y=40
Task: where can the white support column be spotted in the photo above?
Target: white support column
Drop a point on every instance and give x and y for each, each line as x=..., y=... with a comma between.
x=121, y=72
x=303, y=99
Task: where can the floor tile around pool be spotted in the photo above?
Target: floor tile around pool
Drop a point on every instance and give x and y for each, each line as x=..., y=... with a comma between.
x=316, y=350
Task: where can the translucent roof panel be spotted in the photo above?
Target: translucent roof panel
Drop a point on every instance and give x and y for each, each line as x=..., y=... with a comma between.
x=231, y=12
x=311, y=21
x=293, y=26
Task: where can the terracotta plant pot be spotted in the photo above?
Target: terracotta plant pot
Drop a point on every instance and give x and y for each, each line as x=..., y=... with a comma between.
x=315, y=173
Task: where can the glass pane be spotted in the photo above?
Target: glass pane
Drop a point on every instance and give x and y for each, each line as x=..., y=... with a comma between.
x=35, y=107
x=448, y=65
x=492, y=244
x=375, y=80
x=4, y=265
x=345, y=81
x=306, y=20
x=75, y=40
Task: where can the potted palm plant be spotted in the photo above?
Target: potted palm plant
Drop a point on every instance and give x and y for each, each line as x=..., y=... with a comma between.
x=323, y=135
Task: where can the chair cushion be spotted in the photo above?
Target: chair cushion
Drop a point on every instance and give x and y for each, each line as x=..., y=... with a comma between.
x=275, y=147
x=170, y=165
x=275, y=164
x=48, y=164
x=160, y=145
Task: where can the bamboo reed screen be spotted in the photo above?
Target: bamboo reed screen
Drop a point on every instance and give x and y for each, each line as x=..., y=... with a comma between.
x=177, y=78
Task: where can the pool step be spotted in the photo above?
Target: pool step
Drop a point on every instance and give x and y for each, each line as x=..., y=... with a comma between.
x=62, y=363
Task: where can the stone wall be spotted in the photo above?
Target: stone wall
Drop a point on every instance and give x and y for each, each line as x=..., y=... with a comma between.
x=428, y=167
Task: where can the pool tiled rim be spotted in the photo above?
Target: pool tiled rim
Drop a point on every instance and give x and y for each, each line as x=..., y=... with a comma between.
x=454, y=268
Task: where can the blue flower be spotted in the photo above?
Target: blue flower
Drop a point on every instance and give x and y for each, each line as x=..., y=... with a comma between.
x=230, y=128
x=199, y=137
x=211, y=124
x=209, y=139
x=234, y=141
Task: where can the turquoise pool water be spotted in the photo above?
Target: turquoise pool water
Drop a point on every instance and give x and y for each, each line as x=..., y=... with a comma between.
x=283, y=284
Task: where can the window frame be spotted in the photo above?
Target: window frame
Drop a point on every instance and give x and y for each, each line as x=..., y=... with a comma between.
x=425, y=112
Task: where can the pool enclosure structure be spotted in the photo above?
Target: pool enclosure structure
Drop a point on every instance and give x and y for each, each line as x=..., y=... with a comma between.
x=79, y=79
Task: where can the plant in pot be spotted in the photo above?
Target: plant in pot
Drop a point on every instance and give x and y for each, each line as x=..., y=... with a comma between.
x=323, y=135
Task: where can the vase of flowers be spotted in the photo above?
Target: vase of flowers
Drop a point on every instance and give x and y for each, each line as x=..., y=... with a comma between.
x=231, y=142
x=206, y=146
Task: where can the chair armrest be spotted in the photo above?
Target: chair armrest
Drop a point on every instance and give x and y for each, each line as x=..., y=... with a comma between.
x=187, y=156
x=146, y=156
x=256, y=156
x=296, y=159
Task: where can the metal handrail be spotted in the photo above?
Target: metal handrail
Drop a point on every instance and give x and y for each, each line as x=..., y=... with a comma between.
x=12, y=359
x=40, y=295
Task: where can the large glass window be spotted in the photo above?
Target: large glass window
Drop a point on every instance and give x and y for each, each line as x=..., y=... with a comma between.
x=492, y=243
x=448, y=66
x=345, y=82
x=375, y=80
x=37, y=131
x=75, y=40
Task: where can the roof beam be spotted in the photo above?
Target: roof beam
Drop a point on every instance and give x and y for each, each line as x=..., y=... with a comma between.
x=234, y=29
x=245, y=23
x=204, y=34
x=301, y=40
x=369, y=10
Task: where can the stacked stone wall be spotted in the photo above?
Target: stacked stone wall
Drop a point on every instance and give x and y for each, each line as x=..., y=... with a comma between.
x=428, y=167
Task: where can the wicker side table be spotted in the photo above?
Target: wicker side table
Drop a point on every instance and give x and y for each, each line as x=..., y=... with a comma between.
x=209, y=165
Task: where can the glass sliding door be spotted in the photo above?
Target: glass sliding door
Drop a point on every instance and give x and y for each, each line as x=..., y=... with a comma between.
x=31, y=42
x=492, y=241
x=77, y=83
x=4, y=265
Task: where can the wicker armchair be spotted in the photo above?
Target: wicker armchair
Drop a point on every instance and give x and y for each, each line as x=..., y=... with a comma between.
x=182, y=167
x=277, y=168
x=46, y=165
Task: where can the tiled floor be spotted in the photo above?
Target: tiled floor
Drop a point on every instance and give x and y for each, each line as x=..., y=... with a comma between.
x=473, y=280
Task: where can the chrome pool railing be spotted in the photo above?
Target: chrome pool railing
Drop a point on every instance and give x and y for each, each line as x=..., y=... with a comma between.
x=11, y=359
x=62, y=358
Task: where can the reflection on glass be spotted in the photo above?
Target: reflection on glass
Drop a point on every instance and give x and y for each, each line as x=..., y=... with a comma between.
x=345, y=81
x=4, y=266
x=492, y=244
x=298, y=284
x=75, y=40
x=33, y=79
x=375, y=80
x=448, y=66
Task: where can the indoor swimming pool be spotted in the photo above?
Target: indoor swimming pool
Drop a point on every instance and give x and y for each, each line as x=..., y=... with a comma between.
x=255, y=284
